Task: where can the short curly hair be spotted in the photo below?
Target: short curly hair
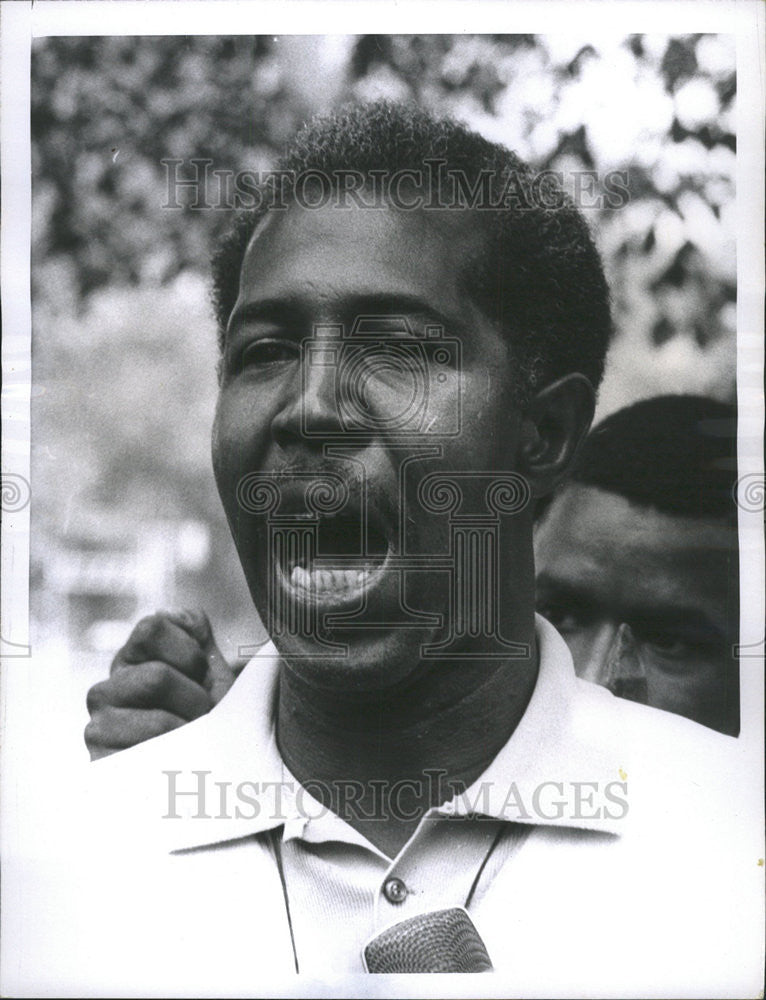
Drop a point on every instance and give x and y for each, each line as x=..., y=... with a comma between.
x=540, y=277
x=675, y=453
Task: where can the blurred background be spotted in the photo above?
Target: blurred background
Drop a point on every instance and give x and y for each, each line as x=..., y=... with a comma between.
x=125, y=517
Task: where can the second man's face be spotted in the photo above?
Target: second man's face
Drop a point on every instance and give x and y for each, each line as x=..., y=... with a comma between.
x=647, y=601
x=356, y=365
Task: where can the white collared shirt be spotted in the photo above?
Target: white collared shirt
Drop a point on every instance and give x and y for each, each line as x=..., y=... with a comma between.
x=612, y=860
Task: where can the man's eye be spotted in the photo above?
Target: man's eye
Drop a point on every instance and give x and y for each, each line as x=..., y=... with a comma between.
x=671, y=646
x=262, y=353
x=676, y=644
x=565, y=619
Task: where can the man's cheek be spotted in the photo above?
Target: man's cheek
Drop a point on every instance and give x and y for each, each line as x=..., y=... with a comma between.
x=223, y=478
x=683, y=687
x=581, y=646
x=235, y=446
x=219, y=445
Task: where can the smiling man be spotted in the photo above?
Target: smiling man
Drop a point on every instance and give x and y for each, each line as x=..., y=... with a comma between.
x=308, y=274
x=410, y=778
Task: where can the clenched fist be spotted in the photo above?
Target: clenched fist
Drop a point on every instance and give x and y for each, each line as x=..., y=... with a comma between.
x=169, y=672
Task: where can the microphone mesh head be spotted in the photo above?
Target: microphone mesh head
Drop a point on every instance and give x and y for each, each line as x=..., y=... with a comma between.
x=440, y=941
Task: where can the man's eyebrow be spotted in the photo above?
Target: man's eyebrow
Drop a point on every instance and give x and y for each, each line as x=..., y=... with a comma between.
x=671, y=618
x=561, y=588
x=385, y=305
x=285, y=310
x=566, y=595
x=390, y=305
x=665, y=616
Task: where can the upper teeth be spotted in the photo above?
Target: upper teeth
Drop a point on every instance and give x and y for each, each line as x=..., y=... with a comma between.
x=328, y=579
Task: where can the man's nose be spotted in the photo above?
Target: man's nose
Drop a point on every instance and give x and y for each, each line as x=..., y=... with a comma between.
x=591, y=651
x=310, y=413
x=623, y=671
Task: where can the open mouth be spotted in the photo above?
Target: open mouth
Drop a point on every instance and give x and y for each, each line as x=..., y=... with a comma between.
x=338, y=563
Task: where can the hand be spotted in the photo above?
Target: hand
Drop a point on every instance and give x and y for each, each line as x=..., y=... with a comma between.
x=169, y=672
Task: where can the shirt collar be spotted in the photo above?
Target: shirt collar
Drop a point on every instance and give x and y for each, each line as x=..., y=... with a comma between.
x=556, y=766
x=534, y=779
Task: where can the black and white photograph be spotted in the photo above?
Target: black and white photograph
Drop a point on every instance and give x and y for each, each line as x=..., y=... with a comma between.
x=383, y=491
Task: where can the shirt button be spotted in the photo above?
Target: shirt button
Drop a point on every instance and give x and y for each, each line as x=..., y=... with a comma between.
x=395, y=890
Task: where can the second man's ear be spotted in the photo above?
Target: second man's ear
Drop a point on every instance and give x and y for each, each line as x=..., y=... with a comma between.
x=553, y=425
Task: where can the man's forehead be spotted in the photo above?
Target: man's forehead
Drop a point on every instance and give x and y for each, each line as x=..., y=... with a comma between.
x=433, y=249
x=609, y=514
x=602, y=542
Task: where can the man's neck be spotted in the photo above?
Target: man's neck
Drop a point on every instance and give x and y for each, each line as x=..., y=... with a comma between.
x=381, y=762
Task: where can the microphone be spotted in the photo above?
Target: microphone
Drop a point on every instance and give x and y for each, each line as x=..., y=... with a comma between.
x=439, y=941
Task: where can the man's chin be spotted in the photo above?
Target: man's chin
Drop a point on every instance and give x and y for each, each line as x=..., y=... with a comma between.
x=355, y=662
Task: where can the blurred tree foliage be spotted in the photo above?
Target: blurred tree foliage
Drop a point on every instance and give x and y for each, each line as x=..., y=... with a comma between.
x=107, y=111
x=661, y=110
x=123, y=342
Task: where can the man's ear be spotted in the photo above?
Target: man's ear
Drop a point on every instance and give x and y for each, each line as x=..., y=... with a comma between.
x=552, y=427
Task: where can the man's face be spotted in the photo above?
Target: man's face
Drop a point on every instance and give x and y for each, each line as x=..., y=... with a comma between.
x=373, y=413
x=646, y=601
